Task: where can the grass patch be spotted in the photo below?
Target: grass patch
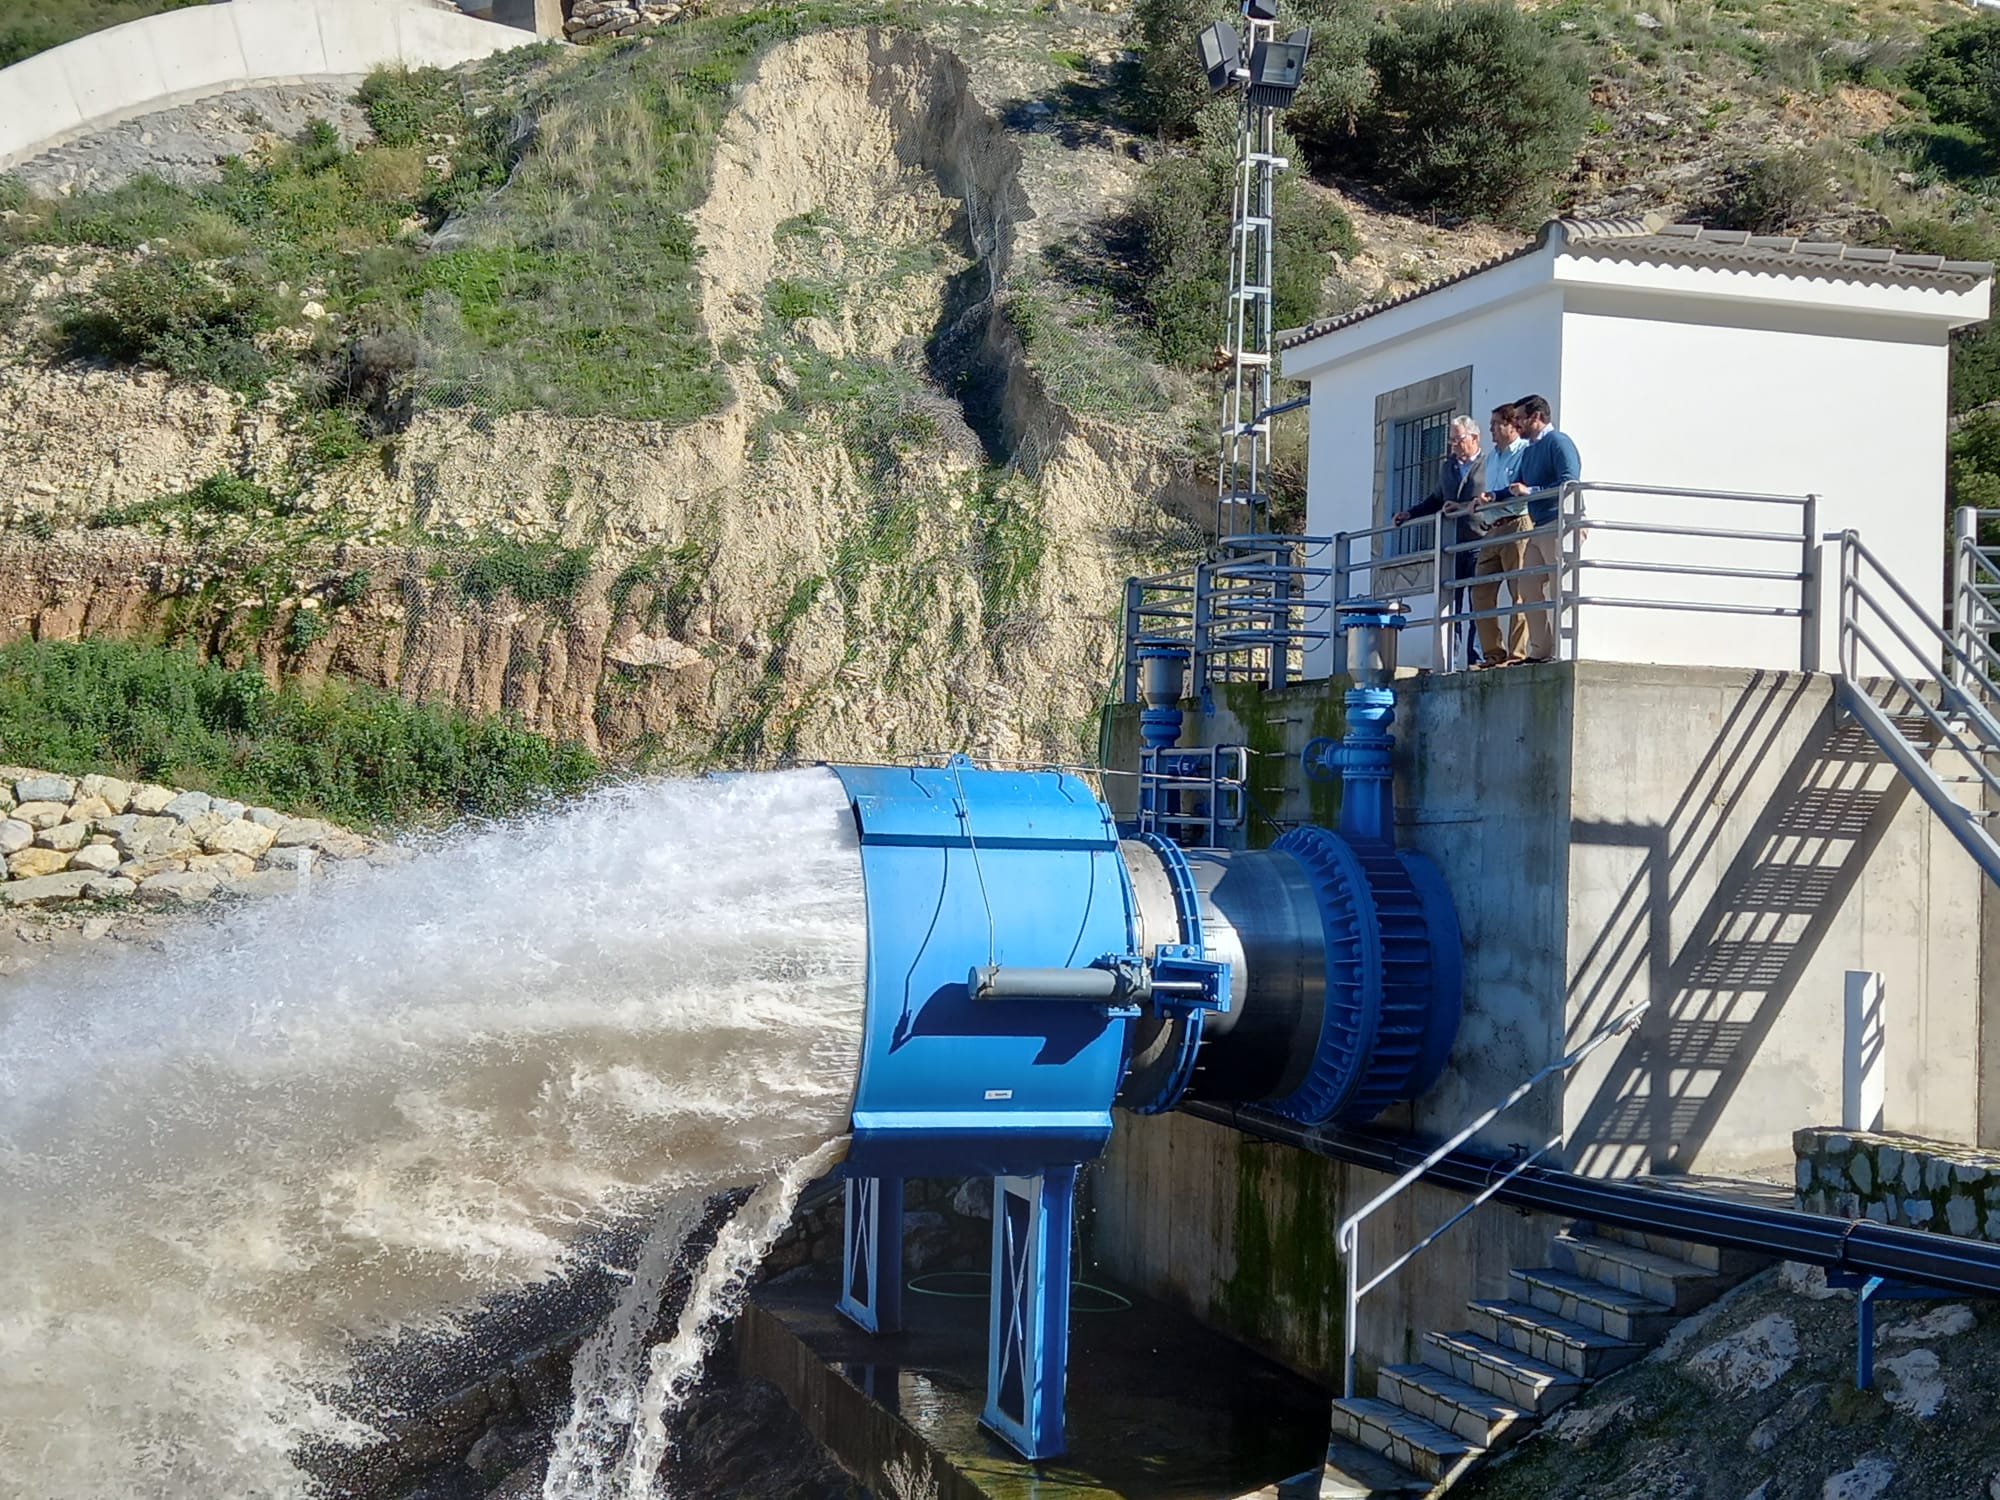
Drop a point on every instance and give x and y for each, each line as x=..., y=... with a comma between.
x=341, y=750
x=199, y=511
x=32, y=26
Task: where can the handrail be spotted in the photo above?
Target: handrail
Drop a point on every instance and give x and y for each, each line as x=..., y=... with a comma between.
x=1962, y=717
x=1431, y=569
x=1247, y=613
x=1348, y=1236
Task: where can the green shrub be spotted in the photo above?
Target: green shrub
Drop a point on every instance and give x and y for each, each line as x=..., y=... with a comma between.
x=532, y=572
x=1975, y=351
x=791, y=300
x=340, y=750
x=307, y=627
x=167, y=313
x=1972, y=463
x=1479, y=109
x=1773, y=194
x=1951, y=151
x=1173, y=89
x=1184, y=216
x=1958, y=75
x=1339, y=87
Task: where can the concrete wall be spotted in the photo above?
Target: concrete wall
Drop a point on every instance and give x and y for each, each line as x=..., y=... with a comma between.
x=1789, y=401
x=130, y=70
x=1733, y=851
x=1709, y=839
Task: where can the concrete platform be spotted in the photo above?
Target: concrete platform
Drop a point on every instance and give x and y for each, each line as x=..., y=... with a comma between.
x=1159, y=1407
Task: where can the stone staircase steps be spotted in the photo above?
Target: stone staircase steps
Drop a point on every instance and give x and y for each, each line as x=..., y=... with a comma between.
x=1660, y=1278
x=1477, y=1416
x=1608, y=1309
x=1734, y=1264
x=1552, y=1339
x=1422, y=1447
x=1353, y=1472
x=1516, y=1378
x=1608, y=1297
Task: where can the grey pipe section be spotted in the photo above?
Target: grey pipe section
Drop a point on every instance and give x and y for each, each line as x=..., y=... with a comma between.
x=1022, y=982
x=1863, y=1246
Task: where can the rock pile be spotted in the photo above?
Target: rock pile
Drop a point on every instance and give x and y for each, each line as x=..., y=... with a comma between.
x=97, y=838
x=592, y=20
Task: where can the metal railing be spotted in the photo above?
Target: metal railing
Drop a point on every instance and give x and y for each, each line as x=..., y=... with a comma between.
x=1249, y=613
x=1348, y=1236
x=1193, y=795
x=1889, y=647
x=1366, y=565
x=1975, y=581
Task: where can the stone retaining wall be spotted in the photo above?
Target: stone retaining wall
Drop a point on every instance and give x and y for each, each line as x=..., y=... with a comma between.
x=1899, y=1179
x=70, y=838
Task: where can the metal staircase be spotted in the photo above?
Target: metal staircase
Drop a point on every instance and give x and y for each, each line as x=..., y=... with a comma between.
x=1942, y=732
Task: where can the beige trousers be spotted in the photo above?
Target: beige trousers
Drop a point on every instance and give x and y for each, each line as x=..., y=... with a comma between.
x=1502, y=557
x=1536, y=588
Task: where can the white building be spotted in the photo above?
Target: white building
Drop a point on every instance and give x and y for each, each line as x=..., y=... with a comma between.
x=1677, y=358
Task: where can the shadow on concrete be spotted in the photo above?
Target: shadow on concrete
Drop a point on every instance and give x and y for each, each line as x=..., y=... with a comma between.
x=1717, y=994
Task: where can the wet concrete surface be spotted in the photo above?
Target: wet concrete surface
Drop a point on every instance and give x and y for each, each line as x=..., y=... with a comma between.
x=1160, y=1407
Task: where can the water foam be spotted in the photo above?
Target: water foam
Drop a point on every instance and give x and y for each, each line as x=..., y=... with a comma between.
x=228, y=1166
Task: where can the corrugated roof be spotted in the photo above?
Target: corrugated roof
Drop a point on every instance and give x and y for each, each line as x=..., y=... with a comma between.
x=1649, y=238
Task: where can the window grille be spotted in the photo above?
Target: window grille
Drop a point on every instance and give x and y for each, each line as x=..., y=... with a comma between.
x=1416, y=451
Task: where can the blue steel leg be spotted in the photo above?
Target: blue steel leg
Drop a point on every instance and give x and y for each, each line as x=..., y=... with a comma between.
x=871, y=1282
x=1027, y=1351
x=1864, y=1334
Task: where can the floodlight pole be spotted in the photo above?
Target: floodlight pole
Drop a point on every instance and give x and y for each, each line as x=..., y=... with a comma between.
x=1241, y=506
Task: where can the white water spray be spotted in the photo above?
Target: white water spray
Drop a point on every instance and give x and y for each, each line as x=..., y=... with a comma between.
x=320, y=1123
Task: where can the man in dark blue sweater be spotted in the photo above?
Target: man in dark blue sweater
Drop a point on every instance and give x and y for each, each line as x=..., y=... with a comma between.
x=1549, y=462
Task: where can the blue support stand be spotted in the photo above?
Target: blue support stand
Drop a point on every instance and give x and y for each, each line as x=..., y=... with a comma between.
x=1027, y=1351
x=871, y=1283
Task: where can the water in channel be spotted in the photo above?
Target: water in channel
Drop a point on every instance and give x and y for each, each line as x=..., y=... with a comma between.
x=226, y=1168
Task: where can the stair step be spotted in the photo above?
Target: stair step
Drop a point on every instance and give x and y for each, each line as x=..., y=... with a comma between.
x=1608, y=1309
x=1475, y=1415
x=1519, y=1379
x=1674, y=1283
x=1707, y=1257
x=1356, y=1473
x=1421, y=1447
x=1552, y=1339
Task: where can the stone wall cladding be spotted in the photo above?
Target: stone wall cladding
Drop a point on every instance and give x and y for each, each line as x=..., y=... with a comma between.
x=1899, y=1179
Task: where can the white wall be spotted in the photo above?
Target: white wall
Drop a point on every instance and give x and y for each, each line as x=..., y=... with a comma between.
x=1513, y=347
x=108, y=76
x=1798, y=401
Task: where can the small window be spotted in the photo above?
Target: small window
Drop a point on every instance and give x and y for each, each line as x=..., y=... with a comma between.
x=1416, y=452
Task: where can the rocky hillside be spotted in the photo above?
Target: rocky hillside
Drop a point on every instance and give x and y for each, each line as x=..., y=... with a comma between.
x=793, y=382
x=1754, y=1399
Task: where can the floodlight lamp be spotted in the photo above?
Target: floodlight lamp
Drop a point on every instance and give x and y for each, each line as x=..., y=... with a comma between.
x=1261, y=10
x=1276, y=69
x=1221, y=56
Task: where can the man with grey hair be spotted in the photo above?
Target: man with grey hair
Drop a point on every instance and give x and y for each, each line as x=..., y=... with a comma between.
x=1461, y=483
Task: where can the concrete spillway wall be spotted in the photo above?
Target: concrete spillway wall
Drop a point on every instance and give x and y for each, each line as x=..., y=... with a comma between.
x=113, y=75
x=1716, y=841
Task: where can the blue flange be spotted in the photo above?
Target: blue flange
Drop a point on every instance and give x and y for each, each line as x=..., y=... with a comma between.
x=1187, y=907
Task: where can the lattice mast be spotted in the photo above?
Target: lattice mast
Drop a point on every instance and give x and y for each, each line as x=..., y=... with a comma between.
x=1247, y=317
